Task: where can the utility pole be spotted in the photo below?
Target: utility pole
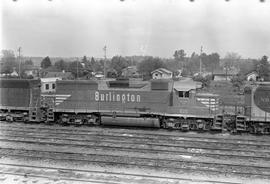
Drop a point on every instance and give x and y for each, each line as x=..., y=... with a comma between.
x=77, y=68
x=19, y=50
x=201, y=61
x=105, y=58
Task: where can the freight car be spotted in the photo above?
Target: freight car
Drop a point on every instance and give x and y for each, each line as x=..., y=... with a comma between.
x=257, y=107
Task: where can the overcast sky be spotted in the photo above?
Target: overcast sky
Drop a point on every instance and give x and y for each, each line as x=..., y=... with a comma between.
x=135, y=27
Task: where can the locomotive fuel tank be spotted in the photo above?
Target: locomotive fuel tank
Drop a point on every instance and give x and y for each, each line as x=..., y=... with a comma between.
x=132, y=121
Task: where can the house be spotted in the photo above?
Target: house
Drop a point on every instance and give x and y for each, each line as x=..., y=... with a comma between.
x=62, y=75
x=161, y=73
x=31, y=70
x=43, y=72
x=252, y=76
x=14, y=73
x=48, y=84
x=130, y=72
x=221, y=75
x=99, y=75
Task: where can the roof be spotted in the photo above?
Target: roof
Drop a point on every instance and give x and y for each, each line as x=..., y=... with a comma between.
x=18, y=83
x=31, y=67
x=251, y=72
x=185, y=85
x=58, y=74
x=51, y=69
x=51, y=79
x=130, y=68
x=162, y=70
x=224, y=73
x=206, y=95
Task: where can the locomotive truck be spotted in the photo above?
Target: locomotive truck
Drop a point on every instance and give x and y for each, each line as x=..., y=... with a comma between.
x=156, y=103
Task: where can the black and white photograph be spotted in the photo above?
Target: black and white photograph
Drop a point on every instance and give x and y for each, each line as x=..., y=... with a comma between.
x=135, y=91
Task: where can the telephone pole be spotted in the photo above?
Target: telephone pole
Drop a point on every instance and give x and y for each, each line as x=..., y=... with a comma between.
x=105, y=58
x=19, y=50
x=201, y=61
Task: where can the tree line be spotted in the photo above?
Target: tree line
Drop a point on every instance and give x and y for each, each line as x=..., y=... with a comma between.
x=180, y=61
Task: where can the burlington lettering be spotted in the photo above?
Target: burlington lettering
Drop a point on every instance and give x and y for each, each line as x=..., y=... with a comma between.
x=116, y=97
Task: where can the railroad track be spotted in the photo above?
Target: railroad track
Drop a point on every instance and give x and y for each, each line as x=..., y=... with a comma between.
x=136, y=146
x=59, y=173
x=145, y=137
x=171, y=165
x=140, y=132
x=52, y=138
x=158, y=143
x=127, y=145
x=141, y=138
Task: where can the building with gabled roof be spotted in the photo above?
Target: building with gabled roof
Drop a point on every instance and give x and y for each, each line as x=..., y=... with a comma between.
x=161, y=73
x=252, y=76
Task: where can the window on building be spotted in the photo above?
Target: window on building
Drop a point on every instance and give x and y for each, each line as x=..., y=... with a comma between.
x=53, y=86
x=183, y=94
x=187, y=94
x=46, y=86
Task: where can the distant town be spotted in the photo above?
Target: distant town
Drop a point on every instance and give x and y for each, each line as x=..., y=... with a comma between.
x=209, y=69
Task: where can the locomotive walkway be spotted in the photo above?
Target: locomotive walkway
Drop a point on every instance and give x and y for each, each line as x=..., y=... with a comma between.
x=119, y=155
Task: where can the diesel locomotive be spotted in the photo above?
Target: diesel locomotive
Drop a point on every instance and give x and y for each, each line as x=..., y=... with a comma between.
x=156, y=103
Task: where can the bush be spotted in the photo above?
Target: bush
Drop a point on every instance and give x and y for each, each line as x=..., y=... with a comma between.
x=204, y=80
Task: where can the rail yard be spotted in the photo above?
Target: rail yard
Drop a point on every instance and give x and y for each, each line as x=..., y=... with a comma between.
x=38, y=153
x=135, y=92
x=120, y=132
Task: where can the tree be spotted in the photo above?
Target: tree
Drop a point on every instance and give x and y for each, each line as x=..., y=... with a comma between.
x=28, y=62
x=84, y=59
x=231, y=60
x=193, y=63
x=179, y=55
x=9, y=61
x=118, y=63
x=214, y=59
x=61, y=65
x=149, y=64
x=204, y=80
x=92, y=61
x=46, y=62
x=238, y=81
x=76, y=69
x=263, y=68
x=87, y=64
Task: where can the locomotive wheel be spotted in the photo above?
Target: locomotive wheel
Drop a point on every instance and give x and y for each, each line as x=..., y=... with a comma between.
x=251, y=129
x=98, y=121
x=9, y=118
x=193, y=126
x=163, y=125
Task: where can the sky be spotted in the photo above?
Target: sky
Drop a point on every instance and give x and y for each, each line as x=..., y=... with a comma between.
x=74, y=28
